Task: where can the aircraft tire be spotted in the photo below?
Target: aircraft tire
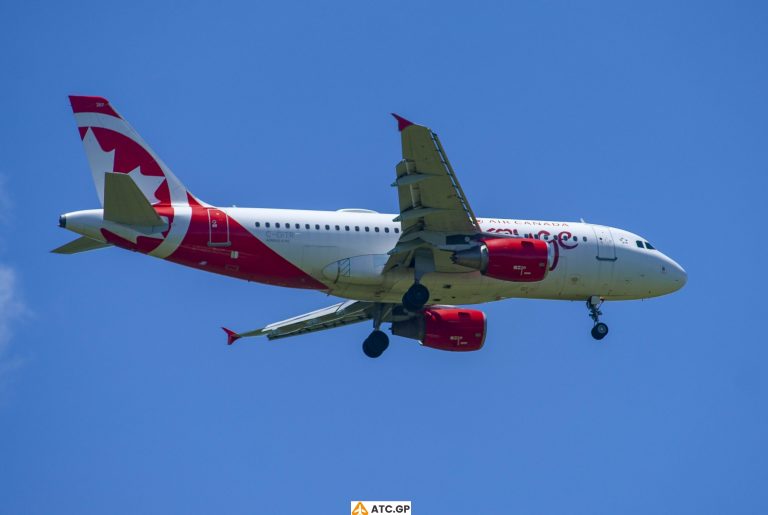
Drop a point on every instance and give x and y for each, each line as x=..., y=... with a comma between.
x=599, y=331
x=415, y=298
x=375, y=345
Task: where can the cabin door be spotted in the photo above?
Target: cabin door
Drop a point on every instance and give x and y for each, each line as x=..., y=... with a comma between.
x=606, y=250
x=218, y=228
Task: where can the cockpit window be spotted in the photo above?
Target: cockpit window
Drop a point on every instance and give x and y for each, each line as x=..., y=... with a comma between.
x=649, y=246
x=639, y=244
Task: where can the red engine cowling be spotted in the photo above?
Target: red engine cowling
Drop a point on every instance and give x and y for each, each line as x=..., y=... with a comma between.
x=522, y=260
x=452, y=329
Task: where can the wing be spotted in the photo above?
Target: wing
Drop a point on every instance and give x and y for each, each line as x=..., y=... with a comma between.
x=434, y=212
x=345, y=313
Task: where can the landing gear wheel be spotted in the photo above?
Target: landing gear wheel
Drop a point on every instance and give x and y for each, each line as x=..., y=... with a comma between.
x=375, y=345
x=415, y=298
x=599, y=331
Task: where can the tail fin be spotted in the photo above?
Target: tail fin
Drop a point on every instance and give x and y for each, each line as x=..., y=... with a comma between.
x=112, y=145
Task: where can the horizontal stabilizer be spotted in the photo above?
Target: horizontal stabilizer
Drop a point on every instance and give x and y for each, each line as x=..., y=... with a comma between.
x=124, y=202
x=82, y=244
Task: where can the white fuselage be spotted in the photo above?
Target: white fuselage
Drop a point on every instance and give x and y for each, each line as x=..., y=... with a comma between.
x=347, y=250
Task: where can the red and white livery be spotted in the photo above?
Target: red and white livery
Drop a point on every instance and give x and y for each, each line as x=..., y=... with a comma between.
x=411, y=269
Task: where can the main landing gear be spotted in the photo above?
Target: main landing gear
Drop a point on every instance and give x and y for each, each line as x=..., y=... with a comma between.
x=378, y=341
x=600, y=330
x=415, y=298
x=414, y=301
x=375, y=345
x=418, y=294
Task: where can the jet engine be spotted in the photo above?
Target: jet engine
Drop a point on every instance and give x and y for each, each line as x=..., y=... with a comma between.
x=443, y=328
x=522, y=260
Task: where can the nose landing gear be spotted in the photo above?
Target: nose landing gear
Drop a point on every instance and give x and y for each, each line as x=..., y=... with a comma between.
x=600, y=330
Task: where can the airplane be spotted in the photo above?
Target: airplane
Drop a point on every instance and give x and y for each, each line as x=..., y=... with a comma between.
x=413, y=269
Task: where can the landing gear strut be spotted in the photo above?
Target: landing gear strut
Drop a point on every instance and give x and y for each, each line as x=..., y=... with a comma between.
x=378, y=341
x=418, y=294
x=600, y=330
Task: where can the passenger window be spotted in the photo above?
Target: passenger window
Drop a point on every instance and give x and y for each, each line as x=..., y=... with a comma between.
x=346, y=227
x=584, y=238
x=298, y=226
x=397, y=230
x=367, y=229
x=649, y=246
x=258, y=224
x=277, y=225
x=317, y=227
x=338, y=228
x=306, y=226
x=357, y=228
x=266, y=224
x=386, y=229
x=639, y=244
x=327, y=227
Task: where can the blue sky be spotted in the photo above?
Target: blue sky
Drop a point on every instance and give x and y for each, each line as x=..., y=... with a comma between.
x=118, y=394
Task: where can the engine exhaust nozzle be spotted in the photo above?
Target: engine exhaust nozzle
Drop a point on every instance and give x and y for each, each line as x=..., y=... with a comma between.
x=476, y=258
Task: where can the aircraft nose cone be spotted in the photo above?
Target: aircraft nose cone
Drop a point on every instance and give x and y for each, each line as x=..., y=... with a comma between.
x=682, y=274
x=675, y=275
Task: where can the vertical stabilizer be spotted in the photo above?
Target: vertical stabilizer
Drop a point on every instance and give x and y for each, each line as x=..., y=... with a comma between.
x=112, y=145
